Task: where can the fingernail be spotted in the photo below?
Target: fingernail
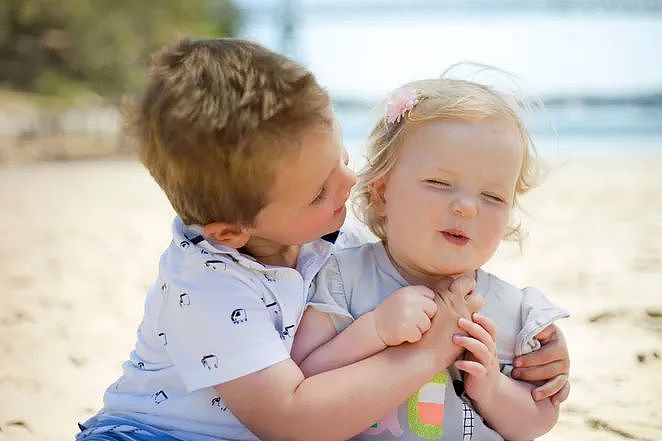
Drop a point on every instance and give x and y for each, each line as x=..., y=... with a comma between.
x=475, y=315
x=537, y=395
x=463, y=321
x=515, y=373
x=517, y=363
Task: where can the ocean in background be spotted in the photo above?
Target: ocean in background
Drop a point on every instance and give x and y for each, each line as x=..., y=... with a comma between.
x=597, y=65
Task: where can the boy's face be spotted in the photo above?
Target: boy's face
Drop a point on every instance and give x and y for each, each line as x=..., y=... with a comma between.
x=308, y=197
x=448, y=199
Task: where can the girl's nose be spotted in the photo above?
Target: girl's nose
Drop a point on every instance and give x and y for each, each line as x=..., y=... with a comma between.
x=464, y=206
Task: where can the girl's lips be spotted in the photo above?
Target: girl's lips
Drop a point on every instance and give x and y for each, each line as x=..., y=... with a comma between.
x=455, y=238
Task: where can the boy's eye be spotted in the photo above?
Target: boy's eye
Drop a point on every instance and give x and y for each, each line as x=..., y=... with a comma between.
x=320, y=196
x=494, y=197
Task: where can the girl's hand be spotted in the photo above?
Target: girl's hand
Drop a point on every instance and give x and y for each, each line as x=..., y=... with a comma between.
x=480, y=364
x=550, y=363
x=405, y=315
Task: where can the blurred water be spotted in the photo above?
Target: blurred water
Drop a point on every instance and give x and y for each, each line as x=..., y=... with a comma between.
x=596, y=64
x=561, y=132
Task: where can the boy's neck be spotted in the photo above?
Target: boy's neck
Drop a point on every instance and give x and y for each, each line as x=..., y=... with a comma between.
x=270, y=253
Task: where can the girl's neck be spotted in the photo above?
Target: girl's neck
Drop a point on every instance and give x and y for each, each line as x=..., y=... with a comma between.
x=415, y=276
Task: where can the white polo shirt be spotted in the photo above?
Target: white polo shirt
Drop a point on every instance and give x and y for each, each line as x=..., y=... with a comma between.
x=212, y=315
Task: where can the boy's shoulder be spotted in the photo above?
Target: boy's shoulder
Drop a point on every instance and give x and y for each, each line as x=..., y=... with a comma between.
x=190, y=257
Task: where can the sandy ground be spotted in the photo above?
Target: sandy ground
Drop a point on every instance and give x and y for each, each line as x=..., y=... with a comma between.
x=81, y=242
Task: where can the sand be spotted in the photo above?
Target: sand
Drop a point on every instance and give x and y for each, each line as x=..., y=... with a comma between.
x=81, y=242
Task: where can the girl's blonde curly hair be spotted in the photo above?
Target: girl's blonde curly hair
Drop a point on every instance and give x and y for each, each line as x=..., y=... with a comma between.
x=446, y=99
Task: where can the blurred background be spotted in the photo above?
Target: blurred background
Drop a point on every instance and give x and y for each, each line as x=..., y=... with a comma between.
x=84, y=224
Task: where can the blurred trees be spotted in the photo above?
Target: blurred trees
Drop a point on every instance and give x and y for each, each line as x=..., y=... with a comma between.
x=62, y=46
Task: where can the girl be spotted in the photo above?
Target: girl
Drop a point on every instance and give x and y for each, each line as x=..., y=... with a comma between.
x=445, y=167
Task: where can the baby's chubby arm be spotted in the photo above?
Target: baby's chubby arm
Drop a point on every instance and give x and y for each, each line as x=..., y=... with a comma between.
x=279, y=402
x=402, y=317
x=505, y=403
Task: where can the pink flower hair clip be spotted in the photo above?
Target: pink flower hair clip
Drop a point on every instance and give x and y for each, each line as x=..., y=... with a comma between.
x=400, y=103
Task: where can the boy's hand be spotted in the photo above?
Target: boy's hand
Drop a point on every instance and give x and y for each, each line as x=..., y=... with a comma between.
x=456, y=300
x=480, y=363
x=550, y=363
x=405, y=315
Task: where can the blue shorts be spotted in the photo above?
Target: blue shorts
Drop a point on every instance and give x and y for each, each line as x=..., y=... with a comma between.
x=120, y=429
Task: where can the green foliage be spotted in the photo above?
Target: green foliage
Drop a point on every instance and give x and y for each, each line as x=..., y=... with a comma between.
x=63, y=46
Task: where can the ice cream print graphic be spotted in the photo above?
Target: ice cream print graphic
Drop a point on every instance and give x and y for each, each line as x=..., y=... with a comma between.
x=425, y=409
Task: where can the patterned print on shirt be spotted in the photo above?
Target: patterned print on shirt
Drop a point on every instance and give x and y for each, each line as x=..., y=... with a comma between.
x=159, y=397
x=216, y=264
x=184, y=300
x=164, y=289
x=287, y=332
x=219, y=403
x=209, y=361
x=184, y=244
x=273, y=307
x=163, y=338
x=140, y=365
x=467, y=422
x=270, y=277
x=425, y=409
x=238, y=316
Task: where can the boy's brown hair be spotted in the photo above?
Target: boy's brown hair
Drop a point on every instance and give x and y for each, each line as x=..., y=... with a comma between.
x=215, y=122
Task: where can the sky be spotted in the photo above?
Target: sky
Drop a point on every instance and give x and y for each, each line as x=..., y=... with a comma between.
x=357, y=49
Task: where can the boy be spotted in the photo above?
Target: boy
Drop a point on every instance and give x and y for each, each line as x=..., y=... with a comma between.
x=245, y=146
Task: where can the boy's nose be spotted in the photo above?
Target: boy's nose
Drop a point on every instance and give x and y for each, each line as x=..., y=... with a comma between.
x=464, y=206
x=350, y=178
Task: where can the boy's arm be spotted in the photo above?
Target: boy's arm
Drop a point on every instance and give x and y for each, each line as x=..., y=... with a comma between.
x=550, y=363
x=280, y=403
x=356, y=342
x=402, y=317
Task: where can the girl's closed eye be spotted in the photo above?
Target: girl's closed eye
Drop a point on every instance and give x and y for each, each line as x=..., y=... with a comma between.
x=493, y=197
x=439, y=183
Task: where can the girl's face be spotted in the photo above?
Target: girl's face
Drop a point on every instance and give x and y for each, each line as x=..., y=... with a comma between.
x=448, y=199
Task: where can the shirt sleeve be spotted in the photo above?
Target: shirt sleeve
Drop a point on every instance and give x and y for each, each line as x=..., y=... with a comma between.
x=327, y=294
x=538, y=312
x=218, y=328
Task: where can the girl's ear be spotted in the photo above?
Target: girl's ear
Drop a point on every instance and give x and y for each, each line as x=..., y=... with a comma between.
x=377, y=196
x=230, y=235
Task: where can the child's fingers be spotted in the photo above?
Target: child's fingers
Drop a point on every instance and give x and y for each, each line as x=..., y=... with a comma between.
x=550, y=388
x=471, y=367
x=479, y=351
x=424, y=324
x=540, y=373
x=486, y=323
x=547, y=334
x=412, y=335
x=561, y=395
x=478, y=332
x=427, y=292
x=430, y=306
x=462, y=286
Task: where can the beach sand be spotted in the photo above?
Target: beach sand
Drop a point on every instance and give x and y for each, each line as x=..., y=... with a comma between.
x=82, y=240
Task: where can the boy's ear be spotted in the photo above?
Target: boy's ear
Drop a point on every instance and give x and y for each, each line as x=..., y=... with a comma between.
x=377, y=190
x=230, y=235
